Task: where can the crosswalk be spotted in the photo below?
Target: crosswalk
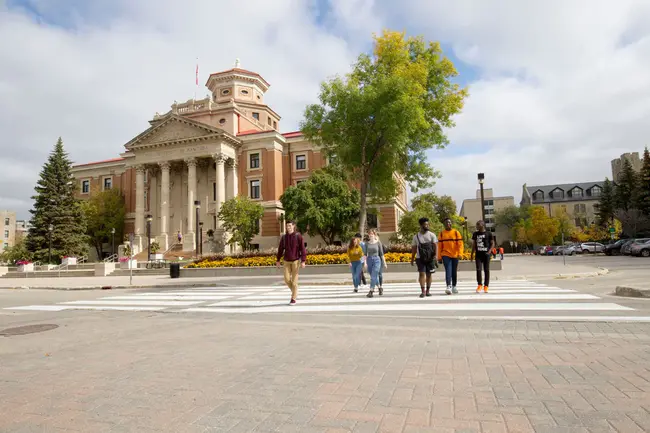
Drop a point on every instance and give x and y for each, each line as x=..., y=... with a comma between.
x=509, y=300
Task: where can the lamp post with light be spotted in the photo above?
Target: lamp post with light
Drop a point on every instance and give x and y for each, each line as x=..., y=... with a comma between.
x=481, y=179
x=113, y=243
x=50, y=229
x=197, y=205
x=149, y=219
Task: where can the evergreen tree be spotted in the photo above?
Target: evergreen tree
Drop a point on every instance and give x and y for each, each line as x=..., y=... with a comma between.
x=55, y=204
x=644, y=184
x=627, y=189
x=606, y=205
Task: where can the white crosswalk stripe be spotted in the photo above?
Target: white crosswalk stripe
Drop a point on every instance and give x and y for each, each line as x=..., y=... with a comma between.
x=524, y=300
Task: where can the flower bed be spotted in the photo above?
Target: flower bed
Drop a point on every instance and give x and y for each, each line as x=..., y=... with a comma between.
x=317, y=256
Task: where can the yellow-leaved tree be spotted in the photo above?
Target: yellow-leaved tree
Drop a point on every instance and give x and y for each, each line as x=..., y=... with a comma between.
x=542, y=228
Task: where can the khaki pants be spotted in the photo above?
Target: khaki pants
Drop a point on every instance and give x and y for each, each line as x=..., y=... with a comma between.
x=291, y=277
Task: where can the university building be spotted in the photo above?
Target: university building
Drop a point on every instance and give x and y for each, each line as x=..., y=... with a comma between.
x=578, y=200
x=209, y=151
x=472, y=212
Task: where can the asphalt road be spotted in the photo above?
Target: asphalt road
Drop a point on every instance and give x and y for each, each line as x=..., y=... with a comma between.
x=613, y=263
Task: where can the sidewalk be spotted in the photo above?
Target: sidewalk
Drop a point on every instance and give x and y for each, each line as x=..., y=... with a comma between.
x=515, y=268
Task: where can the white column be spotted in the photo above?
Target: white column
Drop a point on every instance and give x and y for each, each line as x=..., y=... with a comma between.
x=233, y=181
x=139, y=200
x=189, y=242
x=164, y=202
x=220, y=179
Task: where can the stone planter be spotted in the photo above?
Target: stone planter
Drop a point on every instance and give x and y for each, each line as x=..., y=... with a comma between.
x=157, y=256
x=129, y=264
x=26, y=268
x=104, y=269
x=69, y=261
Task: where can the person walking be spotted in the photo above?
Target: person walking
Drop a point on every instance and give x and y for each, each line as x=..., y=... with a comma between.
x=292, y=249
x=450, y=247
x=373, y=251
x=423, y=253
x=362, y=275
x=482, y=243
x=179, y=236
x=355, y=258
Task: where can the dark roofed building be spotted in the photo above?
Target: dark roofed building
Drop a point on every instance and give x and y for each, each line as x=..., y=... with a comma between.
x=578, y=200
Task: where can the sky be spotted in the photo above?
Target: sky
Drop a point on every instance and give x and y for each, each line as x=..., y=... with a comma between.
x=557, y=88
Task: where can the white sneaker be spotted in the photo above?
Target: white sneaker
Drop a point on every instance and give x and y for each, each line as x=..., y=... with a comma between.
x=448, y=290
x=454, y=290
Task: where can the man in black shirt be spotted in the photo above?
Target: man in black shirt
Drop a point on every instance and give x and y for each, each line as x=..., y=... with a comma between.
x=482, y=244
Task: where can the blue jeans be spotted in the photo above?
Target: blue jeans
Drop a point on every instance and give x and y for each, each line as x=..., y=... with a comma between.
x=381, y=276
x=451, y=270
x=374, y=265
x=357, y=267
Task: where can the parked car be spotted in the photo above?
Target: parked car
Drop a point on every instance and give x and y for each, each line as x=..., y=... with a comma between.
x=615, y=248
x=592, y=247
x=627, y=248
x=642, y=249
x=567, y=250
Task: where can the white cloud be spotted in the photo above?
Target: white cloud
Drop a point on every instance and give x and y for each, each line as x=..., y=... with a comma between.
x=561, y=90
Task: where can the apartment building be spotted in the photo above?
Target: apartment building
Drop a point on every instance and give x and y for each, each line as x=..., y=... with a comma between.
x=471, y=211
x=7, y=229
x=578, y=200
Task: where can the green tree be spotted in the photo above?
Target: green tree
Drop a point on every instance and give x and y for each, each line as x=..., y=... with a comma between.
x=409, y=224
x=324, y=205
x=626, y=194
x=15, y=253
x=644, y=184
x=606, y=205
x=565, y=228
x=240, y=217
x=55, y=204
x=104, y=211
x=443, y=206
x=379, y=120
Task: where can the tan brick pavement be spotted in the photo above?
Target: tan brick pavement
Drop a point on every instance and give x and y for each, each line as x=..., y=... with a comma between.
x=143, y=372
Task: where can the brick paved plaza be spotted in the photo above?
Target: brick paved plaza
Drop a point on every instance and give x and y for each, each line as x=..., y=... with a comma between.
x=116, y=371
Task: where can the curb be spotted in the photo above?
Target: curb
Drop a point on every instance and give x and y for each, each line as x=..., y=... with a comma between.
x=600, y=272
x=632, y=292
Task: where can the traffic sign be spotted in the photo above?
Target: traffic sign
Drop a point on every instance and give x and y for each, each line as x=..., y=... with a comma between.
x=612, y=230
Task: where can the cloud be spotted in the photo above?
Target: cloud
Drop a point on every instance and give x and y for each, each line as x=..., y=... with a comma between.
x=560, y=89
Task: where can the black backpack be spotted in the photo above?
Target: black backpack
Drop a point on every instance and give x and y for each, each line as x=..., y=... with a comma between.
x=425, y=250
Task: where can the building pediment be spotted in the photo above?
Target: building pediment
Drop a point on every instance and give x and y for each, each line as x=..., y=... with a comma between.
x=177, y=129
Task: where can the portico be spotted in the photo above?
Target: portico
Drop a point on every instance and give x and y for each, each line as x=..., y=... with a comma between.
x=179, y=171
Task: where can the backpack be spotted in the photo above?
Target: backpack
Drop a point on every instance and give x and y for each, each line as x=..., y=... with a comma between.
x=425, y=250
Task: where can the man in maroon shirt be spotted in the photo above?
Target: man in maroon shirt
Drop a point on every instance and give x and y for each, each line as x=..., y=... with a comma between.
x=292, y=249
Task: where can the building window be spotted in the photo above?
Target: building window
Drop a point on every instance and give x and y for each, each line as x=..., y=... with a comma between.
x=225, y=92
x=301, y=162
x=108, y=183
x=257, y=226
x=222, y=121
x=268, y=120
x=7, y=222
x=538, y=195
x=580, y=208
x=254, y=160
x=6, y=234
x=255, y=189
x=298, y=182
x=575, y=192
x=256, y=116
x=488, y=203
x=372, y=221
x=214, y=191
x=85, y=186
x=594, y=191
x=557, y=194
x=577, y=222
x=244, y=92
x=275, y=125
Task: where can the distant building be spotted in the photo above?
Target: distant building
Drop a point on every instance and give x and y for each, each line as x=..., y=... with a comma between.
x=617, y=164
x=22, y=228
x=7, y=229
x=471, y=211
x=578, y=200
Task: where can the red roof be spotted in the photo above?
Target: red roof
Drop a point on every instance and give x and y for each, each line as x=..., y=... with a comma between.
x=250, y=132
x=292, y=134
x=285, y=135
x=241, y=71
x=99, y=162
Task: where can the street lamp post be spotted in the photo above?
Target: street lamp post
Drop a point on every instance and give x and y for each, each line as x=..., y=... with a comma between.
x=481, y=178
x=197, y=205
x=113, y=243
x=50, y=229
x=149, y=219
x=201, y=237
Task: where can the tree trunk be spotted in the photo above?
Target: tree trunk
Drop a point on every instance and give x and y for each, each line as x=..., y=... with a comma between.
x=363, y=212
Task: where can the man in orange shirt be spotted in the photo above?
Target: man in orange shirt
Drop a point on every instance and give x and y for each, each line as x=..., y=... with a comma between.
x=450, y=247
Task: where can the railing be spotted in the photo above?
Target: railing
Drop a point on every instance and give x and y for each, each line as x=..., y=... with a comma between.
x=111, y=259
x=61, y=267
x=83, y=259
x=171, y=248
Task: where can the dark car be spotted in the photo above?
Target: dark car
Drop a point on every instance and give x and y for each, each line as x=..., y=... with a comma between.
x=615, y=248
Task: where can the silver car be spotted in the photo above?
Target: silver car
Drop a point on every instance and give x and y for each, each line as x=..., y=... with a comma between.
x=567, y=250
x=592, y=247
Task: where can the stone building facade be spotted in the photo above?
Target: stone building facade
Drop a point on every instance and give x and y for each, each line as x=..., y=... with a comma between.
x=471, y=211
x=578, y=200
x=7, y=229
x=209, y=151
x=617, y=164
